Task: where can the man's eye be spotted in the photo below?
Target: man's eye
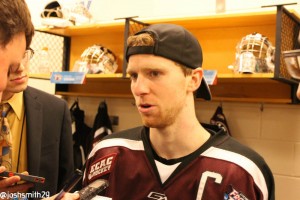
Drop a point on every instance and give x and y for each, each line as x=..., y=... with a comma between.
x=154, y=73
x=133, y=76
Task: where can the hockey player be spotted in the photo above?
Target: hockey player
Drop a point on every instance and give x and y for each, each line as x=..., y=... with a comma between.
x=173, y=156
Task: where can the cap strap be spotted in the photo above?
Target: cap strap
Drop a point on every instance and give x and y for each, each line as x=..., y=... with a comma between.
x=139, y=50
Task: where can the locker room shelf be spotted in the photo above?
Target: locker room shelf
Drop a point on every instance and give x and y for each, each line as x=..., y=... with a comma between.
x=248, y=88
x=218, y=35
x=198, y=22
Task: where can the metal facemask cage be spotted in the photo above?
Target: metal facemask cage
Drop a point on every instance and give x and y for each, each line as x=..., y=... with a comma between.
x=254, y=54
x=52, y=9
x=98, y=59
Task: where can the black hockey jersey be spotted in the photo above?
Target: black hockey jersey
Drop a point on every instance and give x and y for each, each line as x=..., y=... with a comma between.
x=222, y=168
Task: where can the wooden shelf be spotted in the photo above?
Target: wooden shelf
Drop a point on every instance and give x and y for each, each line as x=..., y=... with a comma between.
x=198, y=22
x=251, y=90
x=218, y=35
x=85, y=30
x=242, y=88
x=39, y=76
x=98, y=86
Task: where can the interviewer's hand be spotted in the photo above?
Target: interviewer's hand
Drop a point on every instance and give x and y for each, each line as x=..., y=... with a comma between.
x=67, y=196
x=10, y=184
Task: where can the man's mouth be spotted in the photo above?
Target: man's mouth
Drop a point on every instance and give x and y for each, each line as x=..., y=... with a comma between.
x=145, y=108
x=18, y=78
x=145, y=105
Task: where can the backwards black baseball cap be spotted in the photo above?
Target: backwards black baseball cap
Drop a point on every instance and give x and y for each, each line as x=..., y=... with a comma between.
x=175, y=43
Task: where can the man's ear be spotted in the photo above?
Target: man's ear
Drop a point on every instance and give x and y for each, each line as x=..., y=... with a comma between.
x=298, y=92
x=196, y=78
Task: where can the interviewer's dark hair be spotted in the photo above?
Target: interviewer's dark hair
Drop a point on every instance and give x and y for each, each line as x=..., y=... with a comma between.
x=15, y=18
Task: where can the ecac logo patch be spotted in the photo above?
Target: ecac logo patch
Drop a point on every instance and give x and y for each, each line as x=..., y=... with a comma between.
x=101, y=166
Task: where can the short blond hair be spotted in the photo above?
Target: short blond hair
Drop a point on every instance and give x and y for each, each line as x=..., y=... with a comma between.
x=147, y=39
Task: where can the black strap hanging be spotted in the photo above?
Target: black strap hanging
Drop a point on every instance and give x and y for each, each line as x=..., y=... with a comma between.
x=219, y=119
x=80, y=135
x=102, y=125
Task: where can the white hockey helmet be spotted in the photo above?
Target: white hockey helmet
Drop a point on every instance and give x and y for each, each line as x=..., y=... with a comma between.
x=254, y=54
x=97, y=59
x=52, y=9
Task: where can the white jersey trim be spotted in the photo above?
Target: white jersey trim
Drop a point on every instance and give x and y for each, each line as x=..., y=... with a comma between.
x=130, y=144
x=243, y=162
x=165, y=171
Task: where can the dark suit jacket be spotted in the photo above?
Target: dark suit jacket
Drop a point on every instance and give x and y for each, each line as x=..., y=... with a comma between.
x=49, y=139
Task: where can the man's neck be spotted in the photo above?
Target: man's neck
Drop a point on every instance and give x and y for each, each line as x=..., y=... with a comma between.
x=6, y=96
x=176, y=142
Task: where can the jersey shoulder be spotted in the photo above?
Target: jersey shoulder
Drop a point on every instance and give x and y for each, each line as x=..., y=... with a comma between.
x=130, y=134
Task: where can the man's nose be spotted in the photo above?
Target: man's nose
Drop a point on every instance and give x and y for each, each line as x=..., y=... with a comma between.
x=16, y=68
x=140, y=86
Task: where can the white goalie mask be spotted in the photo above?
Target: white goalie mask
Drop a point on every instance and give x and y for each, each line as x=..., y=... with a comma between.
x=97, y=59
x=254, y=54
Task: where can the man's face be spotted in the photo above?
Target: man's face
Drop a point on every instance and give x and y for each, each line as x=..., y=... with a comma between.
x=159, y=88
x=13, y=74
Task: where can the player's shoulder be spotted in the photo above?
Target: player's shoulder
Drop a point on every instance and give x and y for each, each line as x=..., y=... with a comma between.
x=232, y=150
x=235, y=146
x=129, y=139
x=249, y=159
x=130, y=134
x=223, y=145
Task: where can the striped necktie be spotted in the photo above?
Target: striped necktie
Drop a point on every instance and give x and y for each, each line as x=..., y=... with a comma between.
x=5, y=138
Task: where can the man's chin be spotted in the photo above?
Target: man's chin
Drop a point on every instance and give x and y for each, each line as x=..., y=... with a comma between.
x=17, y=89
x=153, y=124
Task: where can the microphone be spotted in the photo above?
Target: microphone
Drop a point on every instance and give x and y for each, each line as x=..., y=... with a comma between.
x=93, y=189
x=70, y=184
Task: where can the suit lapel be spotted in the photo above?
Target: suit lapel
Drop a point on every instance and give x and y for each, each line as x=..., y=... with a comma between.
x=34, y=118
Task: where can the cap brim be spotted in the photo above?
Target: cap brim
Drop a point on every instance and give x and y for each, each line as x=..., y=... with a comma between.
x=203, y=91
